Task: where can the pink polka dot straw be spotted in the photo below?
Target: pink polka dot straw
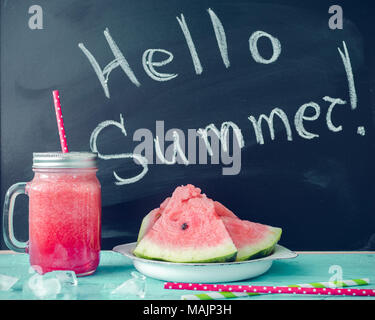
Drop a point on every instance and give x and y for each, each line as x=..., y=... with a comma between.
x=271, y=289
x=60, y=122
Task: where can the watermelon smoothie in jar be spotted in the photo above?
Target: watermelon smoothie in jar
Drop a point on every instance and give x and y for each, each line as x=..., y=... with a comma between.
x=64, y=213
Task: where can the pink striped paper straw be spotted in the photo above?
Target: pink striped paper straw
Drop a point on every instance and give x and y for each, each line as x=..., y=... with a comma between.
x=271, y=289
x=60, y=122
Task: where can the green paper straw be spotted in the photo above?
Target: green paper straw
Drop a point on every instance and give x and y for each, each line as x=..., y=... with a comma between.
x=228, y=295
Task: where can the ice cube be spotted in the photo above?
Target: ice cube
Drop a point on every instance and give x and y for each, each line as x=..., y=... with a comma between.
x=131, y=288
x=51, y=285
x=41, y=288
x=66, y=278
x=7, y=282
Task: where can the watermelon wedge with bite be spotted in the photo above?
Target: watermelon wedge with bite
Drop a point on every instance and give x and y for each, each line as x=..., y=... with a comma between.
x=252, y=240
x=187, y=230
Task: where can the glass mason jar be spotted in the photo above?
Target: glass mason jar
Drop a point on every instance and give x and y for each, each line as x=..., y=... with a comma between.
x=64, y=213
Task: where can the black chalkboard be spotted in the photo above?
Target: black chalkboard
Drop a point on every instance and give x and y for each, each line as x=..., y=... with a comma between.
x=317, y=183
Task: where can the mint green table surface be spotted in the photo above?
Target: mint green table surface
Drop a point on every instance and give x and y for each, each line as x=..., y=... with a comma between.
x=115, y=269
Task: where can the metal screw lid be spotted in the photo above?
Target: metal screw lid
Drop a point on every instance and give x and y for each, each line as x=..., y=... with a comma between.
x=48, y=160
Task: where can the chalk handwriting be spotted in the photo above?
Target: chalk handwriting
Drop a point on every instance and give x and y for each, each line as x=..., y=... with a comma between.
x=361, y=130
x=177, y=150
x=147, y=57
x=222, y=135
x=149, y=65
x=253, y=45
x=257, y=124
x=300, y=117
x=334, y=102
x=349, y=74
x=211, y=139
x=193, y=52
x=220, y=37
x=119, y=61
x=140, y=159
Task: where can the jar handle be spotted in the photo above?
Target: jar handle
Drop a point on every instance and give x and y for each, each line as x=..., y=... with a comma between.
x=8, y=231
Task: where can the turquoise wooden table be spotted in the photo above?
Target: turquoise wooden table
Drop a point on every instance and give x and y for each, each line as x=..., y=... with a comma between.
x=114, y=269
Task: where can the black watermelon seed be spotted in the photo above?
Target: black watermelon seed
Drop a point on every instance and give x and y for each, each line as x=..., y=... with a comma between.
x=184, y=226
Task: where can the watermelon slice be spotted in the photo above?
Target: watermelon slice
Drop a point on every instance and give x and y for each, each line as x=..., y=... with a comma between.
x=189, y=227
x=188, y=230
x=252, y=240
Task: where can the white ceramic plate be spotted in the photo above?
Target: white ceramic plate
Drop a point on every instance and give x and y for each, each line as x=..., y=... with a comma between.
x=203, y=272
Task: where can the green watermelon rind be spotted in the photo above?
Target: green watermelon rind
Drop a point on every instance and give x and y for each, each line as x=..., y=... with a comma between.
x=226, y=252
x=265, y=247
x=227, y=258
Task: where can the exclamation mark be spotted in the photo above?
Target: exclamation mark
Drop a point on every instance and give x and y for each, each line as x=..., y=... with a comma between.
x=351, y=86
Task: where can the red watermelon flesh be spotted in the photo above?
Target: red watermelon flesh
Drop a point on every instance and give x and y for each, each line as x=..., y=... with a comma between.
x=188, y=230
x=252, y=240
x=223, y=211
x=149, y=220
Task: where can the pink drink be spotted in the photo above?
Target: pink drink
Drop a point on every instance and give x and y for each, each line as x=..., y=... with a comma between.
x=64, y=213
x=64, y=220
